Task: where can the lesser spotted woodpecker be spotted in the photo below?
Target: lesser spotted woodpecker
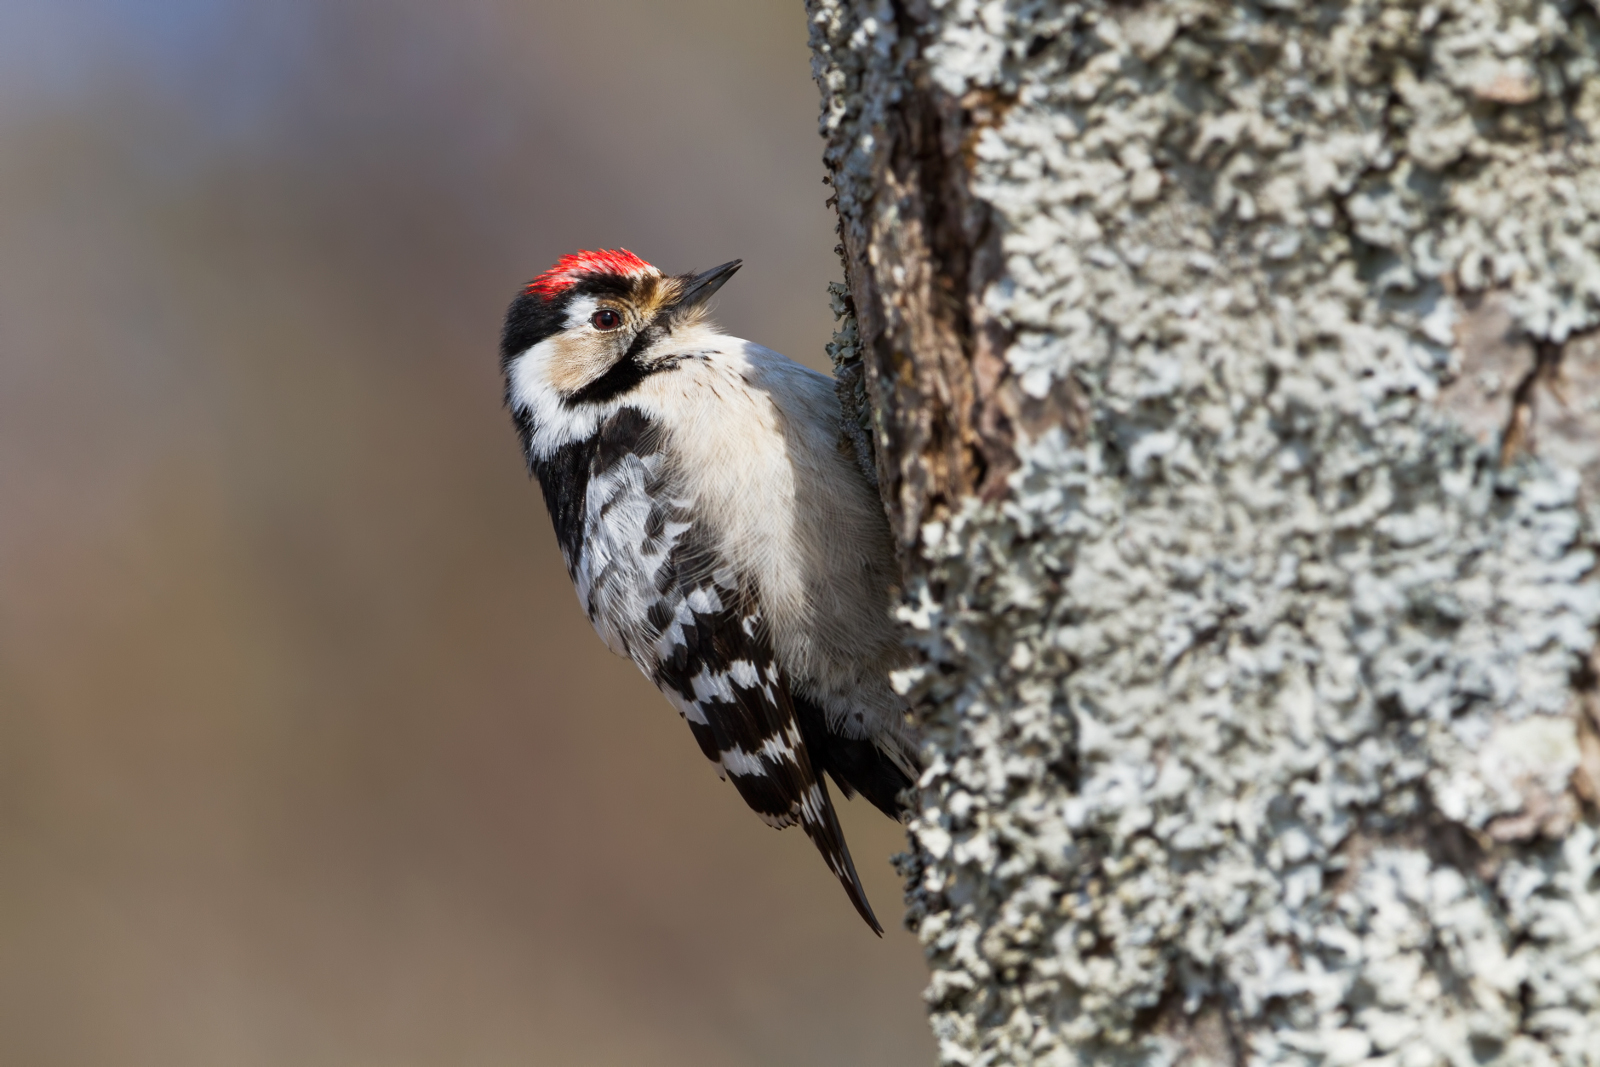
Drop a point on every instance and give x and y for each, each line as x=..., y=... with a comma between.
x=719, y=532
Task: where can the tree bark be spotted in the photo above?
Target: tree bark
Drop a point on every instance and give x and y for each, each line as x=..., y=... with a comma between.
x=1230, y=375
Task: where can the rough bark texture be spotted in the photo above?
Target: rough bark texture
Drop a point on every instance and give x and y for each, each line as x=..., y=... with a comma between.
x=1231, y=376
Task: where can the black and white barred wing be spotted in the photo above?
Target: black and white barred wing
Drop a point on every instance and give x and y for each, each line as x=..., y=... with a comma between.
x=648, y=581
x=715, y=664
x=628, y=519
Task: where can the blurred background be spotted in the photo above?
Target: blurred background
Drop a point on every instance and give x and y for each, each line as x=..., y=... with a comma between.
x=307, y=755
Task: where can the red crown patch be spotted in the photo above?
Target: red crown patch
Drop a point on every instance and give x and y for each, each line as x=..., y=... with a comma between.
x=569, y=269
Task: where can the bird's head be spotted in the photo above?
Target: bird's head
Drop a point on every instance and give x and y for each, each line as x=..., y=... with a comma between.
x=596, y=324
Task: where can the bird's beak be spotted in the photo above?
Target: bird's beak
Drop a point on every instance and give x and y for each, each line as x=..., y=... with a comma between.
x=702, y=286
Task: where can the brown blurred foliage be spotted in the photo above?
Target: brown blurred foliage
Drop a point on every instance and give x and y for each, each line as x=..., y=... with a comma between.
x=307, y=755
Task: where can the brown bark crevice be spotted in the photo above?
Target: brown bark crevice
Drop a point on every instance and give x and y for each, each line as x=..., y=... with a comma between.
x=932, y=355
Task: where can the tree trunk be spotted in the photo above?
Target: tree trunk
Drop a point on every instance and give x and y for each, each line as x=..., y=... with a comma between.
x=1229, y=374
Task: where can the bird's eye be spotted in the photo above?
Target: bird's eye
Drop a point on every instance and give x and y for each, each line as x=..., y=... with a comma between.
x=605, y=319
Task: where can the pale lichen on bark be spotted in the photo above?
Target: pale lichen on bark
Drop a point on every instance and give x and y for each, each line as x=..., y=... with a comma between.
x=1232, y=379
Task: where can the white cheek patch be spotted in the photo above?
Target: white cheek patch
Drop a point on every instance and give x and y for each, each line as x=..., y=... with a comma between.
x=531, y=390
x=558, y=366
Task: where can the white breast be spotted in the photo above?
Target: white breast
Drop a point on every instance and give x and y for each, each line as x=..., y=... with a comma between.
x=755, y=439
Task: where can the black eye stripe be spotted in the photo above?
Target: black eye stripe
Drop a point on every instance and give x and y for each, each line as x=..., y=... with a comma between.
x=625, y=373
x=622, y=376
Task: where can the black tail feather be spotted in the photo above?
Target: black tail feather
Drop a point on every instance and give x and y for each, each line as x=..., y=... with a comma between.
x=826, y=834
x=857, y=765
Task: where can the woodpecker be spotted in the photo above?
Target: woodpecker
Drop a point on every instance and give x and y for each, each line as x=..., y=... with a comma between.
x=719, y=533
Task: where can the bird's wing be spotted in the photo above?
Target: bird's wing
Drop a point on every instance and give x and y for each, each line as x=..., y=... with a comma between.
x=714, y=662
x=648, y=578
